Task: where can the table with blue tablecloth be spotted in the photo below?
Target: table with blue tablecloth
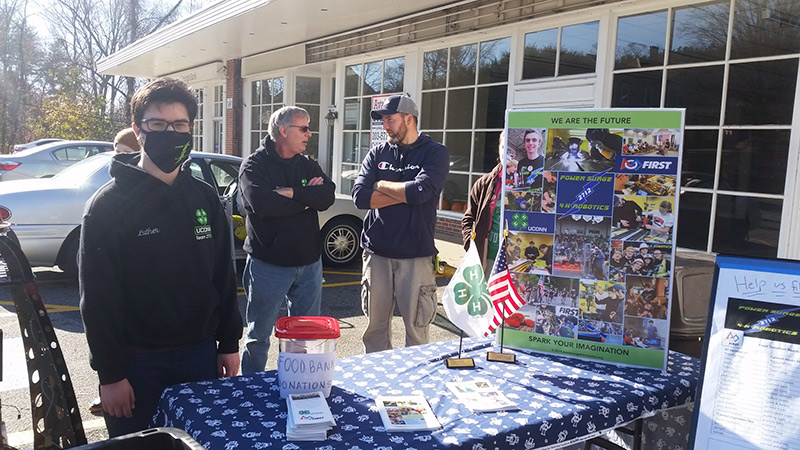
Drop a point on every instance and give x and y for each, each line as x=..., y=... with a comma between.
x=562, y=400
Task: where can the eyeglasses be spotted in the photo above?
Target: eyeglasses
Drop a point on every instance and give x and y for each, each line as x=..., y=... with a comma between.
x=181, y=126
x=304, y=129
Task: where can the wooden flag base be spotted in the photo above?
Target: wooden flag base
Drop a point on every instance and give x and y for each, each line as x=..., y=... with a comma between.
x=510, y=358
x=459, y=363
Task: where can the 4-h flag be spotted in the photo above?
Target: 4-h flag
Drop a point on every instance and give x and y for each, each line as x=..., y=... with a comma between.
x=503, y=295
x=466, y=299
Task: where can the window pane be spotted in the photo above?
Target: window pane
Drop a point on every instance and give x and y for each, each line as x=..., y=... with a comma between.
x=459, y=108
x=313, y=114
x=434, y=69
x=486, y=150
x=393, y=74
x=255, y=119
x=540, y=54
x=307, y=90
x=699, y=33
x=765, y=28
x=352, y=80
x=255, y=95
x=493, y=65
x=459, y=145
x=372, y=78
x=454, y=193
x=349, y=173
x=490, y=111
x=350, y=149
x=277, y=90
x=266, y=92
x=352, y=110
x=640, y=40
x=437, y=136
x=747, y=226
x=699, y=90
x=255, y=141
x=761, y=93
x=462, y=65
x=754, y=161
x=432, y=113
x=578, y=49
x=694, y=220
x=699, y=158
x=366, y=108
x=640, y=89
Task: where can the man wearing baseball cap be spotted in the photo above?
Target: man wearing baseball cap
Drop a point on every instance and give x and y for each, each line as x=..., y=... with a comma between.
x=399, y=183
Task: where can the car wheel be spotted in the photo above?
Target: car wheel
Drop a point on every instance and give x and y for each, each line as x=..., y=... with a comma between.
x=69, y=259
x=340, y=241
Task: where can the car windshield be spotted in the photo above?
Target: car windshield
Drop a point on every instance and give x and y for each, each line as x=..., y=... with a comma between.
x=82, y=170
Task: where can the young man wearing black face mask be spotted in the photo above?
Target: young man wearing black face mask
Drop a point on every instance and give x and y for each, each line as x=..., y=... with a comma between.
x=158, y=288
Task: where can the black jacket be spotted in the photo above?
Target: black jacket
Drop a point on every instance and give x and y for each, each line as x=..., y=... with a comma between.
x=155, y=268
x=283, y=231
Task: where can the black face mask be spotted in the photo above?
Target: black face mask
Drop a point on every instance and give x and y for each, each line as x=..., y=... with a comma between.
x=167, y=149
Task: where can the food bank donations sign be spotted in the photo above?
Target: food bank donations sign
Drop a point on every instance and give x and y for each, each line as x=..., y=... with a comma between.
x=590, y=202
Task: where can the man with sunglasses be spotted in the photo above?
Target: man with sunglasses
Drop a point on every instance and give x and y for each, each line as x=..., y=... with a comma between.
x=282, y=191
x=157, y=284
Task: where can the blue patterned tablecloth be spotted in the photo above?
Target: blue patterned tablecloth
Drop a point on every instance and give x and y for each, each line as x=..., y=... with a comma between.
x=561, y=400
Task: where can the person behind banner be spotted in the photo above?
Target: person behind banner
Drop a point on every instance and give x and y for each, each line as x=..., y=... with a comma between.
x=483, y=212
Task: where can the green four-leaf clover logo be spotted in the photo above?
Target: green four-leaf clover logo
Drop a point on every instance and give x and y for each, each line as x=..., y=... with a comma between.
x=519, y=221
x=202, y=217
x=472, y=292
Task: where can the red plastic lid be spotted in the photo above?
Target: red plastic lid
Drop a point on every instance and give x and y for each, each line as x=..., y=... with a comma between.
x=307, y=327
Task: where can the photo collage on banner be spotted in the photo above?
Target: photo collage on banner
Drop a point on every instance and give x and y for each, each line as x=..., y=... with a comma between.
x=590, y=203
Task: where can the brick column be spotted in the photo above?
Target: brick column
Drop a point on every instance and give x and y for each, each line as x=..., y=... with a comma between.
x=233, y=115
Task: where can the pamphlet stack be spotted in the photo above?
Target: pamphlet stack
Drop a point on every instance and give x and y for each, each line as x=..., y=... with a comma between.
x=309, y=417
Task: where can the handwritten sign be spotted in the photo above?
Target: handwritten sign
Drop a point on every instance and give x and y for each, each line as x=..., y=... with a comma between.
x=299, y=373
x=753, y=341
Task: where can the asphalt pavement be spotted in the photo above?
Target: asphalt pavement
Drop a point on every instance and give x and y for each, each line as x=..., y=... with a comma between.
x=340, y=300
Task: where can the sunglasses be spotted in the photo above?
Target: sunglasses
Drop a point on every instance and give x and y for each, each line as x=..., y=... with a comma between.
x=304, y=129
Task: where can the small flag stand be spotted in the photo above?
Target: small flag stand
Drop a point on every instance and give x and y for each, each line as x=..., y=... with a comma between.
x=460, y=363
x=509, y=358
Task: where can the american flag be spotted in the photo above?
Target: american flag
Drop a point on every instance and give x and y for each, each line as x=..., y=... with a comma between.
x=503, y=295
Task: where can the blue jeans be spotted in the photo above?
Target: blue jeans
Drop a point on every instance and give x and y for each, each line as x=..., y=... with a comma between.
x=149, y=373
x=267, y=286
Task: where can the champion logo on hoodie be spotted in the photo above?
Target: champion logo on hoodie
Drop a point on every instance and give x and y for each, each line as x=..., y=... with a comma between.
x=386, y=165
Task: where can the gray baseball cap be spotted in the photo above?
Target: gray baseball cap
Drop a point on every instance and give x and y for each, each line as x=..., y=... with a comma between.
x=396, y=104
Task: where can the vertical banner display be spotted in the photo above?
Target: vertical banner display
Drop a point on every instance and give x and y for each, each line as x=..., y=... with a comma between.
x=749, y=387
x=590, y=199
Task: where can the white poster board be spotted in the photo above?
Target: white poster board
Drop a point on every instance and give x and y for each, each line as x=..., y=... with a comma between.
x=749, y=395
x=377, y=135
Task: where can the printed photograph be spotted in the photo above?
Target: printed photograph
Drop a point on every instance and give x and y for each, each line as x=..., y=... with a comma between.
x=525, y=200
x=550, y=181
x=582, y=150
x=645, y=185
x=651, y=142
x=601, y=300
x=529, y=253
x=599, y=331
x=646, y=333
x=646, y=297
x=528, y=147
x=582, y=247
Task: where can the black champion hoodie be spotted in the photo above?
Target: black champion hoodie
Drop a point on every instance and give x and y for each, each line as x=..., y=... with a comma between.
x=283, y=231
x=155, y=268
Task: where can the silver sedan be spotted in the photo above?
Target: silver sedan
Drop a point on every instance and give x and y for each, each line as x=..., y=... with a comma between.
x=46, y=214
x=47, y=160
